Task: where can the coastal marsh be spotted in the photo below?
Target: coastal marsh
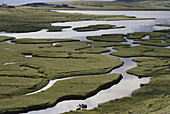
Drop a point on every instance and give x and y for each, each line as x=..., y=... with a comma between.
x=138, y=51
x=32, y=19
x=116, y=5
x=50, y=62
x=154, y=97
x=51, y=59
x=66, y=89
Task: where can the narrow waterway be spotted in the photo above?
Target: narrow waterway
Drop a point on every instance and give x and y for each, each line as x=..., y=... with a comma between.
x=161, y=17
x=129, y=83
x=124, y=88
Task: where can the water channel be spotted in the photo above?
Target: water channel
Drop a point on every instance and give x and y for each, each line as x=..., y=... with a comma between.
x=129, y=83
x=124, y=88
x=131, y=25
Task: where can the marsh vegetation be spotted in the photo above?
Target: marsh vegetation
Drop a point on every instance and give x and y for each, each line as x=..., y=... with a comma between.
x=96, y=27
x=154, y=97
x=31, y=19
x=117, y=5
x=81, y=60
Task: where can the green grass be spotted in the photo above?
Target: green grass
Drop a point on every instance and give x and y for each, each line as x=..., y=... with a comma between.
x=51, y=62
x=152, y=98
x=107, y=38
x=106, y=44
x=137, y=36
x=96, y=27
x=12, y=86
x=165, y=30
x=138, y=51
x=5, y=38
x=140, y=0
x=63, y=60
x=150, y=66
x=94, y=50
x=168, y=25
x=30, y=19
x=154, y=43
x=18, y=27
x=61, y=90
x=83, y=65
x=155, y=38
x=116, y=5
x=54, y=62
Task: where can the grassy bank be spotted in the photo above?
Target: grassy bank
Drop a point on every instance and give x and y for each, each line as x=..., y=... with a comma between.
x=20, y=75
x=62, y=90
x=138, y=51
x=96, y=27
x=5, y=38
x=55, y=62
x=152, y=98
x=30, y=19
x=116, y=5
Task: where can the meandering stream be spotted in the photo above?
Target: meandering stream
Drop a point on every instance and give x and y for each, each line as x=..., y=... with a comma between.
x=124, y=88
x=129, y=83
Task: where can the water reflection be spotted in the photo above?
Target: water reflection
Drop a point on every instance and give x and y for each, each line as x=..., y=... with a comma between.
x=124, y=88
x=131, y=26
x=140, y=14
x=10, y=63
x=129, y=83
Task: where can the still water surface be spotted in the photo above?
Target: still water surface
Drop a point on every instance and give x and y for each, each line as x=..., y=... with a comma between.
x=131, y=25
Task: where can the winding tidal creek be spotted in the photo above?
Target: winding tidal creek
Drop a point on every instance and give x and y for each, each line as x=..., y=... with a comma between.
x=129, y=82
x=124, y=88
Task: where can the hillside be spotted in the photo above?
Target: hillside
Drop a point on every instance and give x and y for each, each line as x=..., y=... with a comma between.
x=139, y=0
x=116, y=5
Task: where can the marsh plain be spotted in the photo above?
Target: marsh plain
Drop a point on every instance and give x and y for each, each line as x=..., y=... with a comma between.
x=41, y=49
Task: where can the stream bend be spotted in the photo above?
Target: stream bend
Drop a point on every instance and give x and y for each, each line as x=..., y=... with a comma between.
x=124, y=88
